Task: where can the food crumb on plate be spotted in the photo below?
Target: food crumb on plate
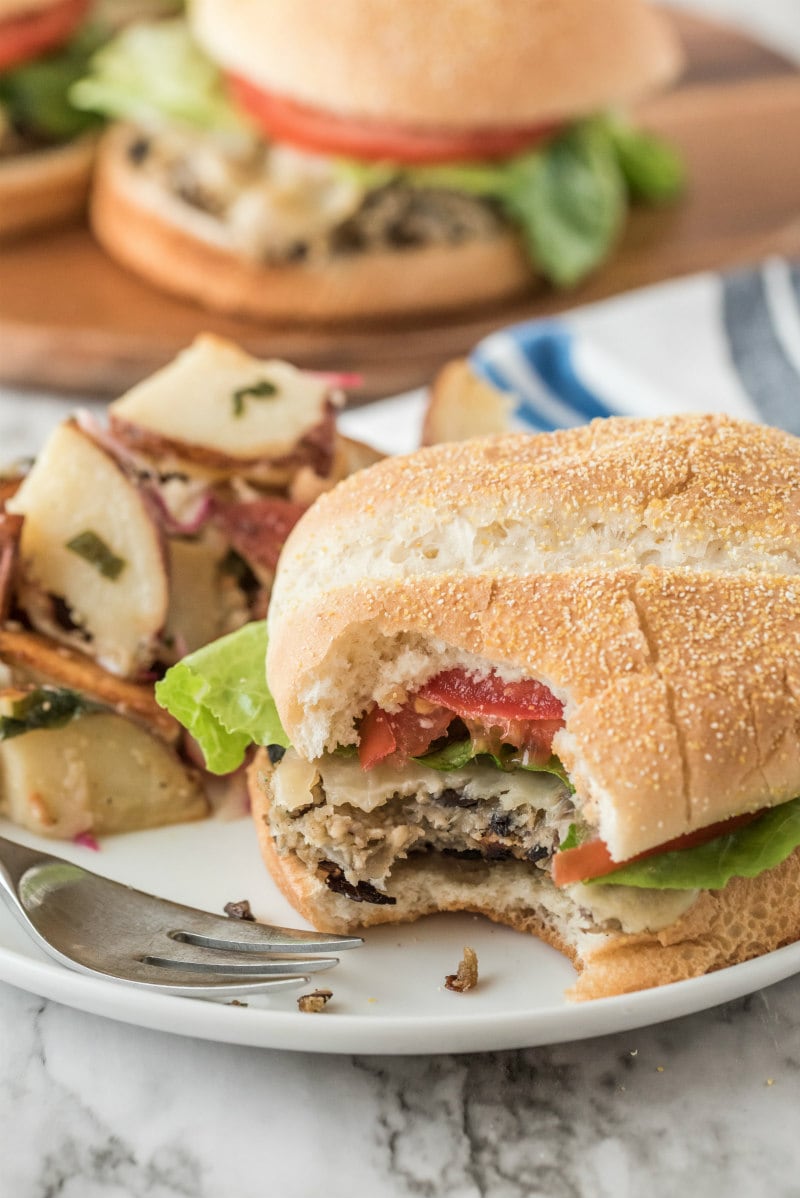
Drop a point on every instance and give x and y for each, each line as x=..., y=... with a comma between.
x=466, y=977
x=239, y=910
x=312, y=1004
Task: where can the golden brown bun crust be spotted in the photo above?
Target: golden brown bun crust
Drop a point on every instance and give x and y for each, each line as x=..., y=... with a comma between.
x=454, y=63
x=147, y=240
x=44, y=188
x=748, y=918
x=645, y=570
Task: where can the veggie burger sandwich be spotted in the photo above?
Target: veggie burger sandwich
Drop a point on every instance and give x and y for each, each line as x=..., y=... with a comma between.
x=552, y=679
x=303, y=159
x=45, y=151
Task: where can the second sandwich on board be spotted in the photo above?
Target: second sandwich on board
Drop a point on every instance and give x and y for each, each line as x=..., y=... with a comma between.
x=300, y=159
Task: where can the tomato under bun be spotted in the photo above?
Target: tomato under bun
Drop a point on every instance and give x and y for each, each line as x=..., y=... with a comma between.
x=518, y=657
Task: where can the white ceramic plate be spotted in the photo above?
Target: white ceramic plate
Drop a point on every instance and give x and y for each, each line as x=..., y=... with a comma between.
x=388, y=996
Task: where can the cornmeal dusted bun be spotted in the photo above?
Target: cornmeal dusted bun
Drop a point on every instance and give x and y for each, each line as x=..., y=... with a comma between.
x=456, y=63
x=150, y=232
x=642, y=570
x=45, y=187
x=749, y=917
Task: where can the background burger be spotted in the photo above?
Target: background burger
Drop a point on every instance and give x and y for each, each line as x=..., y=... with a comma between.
x=45, y=149
x=301, y=159
x=46, y=142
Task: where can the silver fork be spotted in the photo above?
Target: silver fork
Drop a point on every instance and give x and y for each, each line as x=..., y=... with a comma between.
x=108, y=930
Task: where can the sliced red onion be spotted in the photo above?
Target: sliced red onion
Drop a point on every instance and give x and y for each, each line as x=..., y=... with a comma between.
x=87, y=841
x=188, y=526
x=338, y=378
x=89, y=423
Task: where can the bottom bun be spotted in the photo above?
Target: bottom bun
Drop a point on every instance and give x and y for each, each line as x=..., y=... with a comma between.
x=45, y=187
x=749, y=917
x=149, y=232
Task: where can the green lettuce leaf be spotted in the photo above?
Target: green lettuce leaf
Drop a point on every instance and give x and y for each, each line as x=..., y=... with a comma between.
x=452, y=757
x=572, y=838
x=569, y=198
x=461, y=752
x=653, y=170
x=152, y=72
x=745, y=853
x=220, y=695
x=569, y=202
x=35, y=96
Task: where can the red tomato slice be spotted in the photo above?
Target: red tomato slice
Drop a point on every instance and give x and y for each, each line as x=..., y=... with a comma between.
x=400, y=734
x=593, y=860
x=527, y=714
x=32, y=33
x=376, y=740
x=490, y=698
x=377, y=141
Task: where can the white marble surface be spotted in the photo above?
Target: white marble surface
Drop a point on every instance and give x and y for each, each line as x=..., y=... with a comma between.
x=89, y=1108
x=702, y=1106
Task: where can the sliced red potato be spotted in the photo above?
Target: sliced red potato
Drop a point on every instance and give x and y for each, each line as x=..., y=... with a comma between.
x=462, y=405
x=100, y=773
x=90, y=541
x=217, y=406
x=203, y=604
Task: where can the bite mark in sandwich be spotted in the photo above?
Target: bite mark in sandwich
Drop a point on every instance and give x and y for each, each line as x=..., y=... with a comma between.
x=554, y=680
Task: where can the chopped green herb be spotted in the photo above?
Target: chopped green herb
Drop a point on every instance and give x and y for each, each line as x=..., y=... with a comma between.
x=44, y=707
x=94, y=550
x=263, y=389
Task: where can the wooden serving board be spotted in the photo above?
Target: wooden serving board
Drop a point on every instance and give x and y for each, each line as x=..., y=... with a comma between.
x=72, y=320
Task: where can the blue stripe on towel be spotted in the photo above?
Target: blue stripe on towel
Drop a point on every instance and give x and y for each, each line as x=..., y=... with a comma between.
x=764, y=370
x=535, y=362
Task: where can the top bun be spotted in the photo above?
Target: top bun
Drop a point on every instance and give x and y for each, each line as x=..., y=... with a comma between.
x=647, y=571
x=452, y=63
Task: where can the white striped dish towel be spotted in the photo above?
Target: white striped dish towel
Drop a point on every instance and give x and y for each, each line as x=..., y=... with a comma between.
x=710, y=342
